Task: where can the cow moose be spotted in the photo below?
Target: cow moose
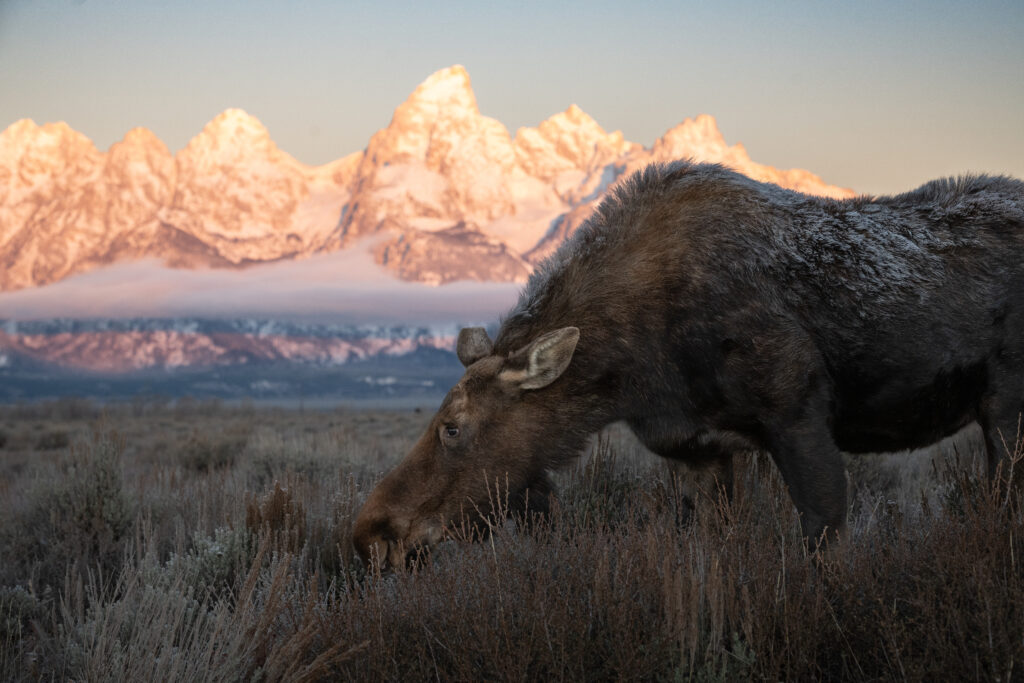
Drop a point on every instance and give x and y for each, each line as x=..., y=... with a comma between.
x=702, y=307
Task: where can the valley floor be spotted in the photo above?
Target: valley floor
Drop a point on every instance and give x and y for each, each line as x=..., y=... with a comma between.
x=212, y=541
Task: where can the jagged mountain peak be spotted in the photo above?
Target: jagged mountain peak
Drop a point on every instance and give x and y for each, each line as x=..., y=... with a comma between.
x=56, y=139
x=574, y=123
x=139, y=142
x=439, y=159
x=232, y=135
x=703, y=124
x=701, y=139
x=441, y=106
x=19, y=130
x=234, y=121
x=27, y=128
x=568, y=141
x=576, y=116
x=140, y=160
x=449, y=87
x=698, y=137
x=142, y=137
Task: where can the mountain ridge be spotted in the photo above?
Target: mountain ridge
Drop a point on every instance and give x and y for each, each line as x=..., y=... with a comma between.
x=134, y=344
x=452, y=193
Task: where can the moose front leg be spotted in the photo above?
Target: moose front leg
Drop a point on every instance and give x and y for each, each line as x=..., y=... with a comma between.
x=785, y=382
x=812, y=469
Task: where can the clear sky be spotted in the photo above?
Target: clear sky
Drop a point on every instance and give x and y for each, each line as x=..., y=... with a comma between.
x=877, y=96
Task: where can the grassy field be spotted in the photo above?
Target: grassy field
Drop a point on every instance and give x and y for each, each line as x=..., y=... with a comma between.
x=194, y=541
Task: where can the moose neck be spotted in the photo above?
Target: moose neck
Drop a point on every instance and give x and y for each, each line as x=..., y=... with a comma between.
x=583, y=400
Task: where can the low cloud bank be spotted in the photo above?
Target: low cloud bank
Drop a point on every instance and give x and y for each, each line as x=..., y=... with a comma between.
x=345, y=286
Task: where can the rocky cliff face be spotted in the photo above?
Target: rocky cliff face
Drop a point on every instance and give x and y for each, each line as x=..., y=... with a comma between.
x=452, y=195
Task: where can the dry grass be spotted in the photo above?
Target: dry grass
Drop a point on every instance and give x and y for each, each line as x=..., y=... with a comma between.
x=127, y=556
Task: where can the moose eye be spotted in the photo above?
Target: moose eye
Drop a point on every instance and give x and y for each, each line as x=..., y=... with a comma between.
x=451, y=431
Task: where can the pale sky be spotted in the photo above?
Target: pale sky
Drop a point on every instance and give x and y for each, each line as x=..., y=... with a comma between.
x=877, y=96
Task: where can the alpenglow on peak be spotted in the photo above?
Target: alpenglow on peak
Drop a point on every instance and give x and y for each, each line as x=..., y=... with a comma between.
x=444, y=190
x=450, y=87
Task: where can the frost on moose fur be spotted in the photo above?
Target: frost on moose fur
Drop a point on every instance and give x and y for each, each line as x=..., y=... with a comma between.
x=708, y=310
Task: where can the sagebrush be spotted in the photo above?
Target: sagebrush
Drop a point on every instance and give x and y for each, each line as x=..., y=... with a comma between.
x=127, y=556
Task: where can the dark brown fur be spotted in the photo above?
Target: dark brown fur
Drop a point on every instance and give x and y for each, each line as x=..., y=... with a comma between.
x=702, y=307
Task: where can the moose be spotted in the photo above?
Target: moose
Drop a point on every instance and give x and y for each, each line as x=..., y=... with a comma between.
x=704, y=308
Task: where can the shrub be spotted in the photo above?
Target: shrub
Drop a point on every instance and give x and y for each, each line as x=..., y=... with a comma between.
x=278, y=517
x=272, y=630
x=73, y=408
x=330, y=534
x=133, y=631
x=275, y=456
x=226, y=584
x=17, y=608
x=53, y=440
x=213, y=564
x=80, y=518
x=203, y=453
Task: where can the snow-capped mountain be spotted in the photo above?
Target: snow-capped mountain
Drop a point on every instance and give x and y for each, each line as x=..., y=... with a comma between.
x=128, y=345
x=448, y=192
x=236, y=359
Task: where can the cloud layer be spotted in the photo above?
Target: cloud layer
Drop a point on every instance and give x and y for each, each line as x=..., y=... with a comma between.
x=344, y=286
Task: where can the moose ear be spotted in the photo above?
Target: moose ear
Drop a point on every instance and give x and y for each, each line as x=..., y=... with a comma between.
x=547, y=357
x=473, y=345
